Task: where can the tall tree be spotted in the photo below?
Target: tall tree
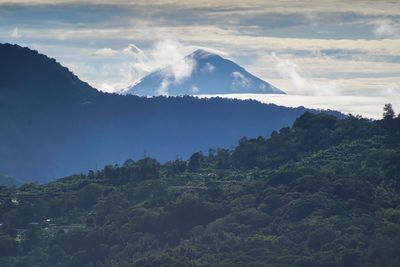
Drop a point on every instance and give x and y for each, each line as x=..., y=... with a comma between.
x=388, y=112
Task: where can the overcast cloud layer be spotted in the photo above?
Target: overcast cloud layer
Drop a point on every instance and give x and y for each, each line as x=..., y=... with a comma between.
x=315, y=48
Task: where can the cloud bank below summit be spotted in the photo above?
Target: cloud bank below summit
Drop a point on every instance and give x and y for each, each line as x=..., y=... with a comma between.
x=368, y=107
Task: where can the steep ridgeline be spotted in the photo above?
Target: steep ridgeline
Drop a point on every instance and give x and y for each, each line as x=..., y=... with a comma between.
x=39, y=83
x=211, y=74
x=53, y=124
x=325, y=192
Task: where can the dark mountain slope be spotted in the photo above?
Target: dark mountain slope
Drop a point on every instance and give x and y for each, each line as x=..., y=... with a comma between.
x=37, y=81
x=54, y=125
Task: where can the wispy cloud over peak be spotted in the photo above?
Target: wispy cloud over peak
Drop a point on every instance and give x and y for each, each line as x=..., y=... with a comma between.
x=170, y=53
x=163, y=89
x=168, y=56
x=134, y=51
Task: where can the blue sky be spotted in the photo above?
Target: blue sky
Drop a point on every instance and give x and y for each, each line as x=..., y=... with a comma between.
x=312, y=48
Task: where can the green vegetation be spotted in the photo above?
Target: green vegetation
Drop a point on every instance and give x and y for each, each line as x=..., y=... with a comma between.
x=324, y=192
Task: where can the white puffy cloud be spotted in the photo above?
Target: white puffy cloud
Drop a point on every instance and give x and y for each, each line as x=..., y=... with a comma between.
x=131, y=50
x=290, y=71
x=169, y=57
x=105, y=87
x=130, y=64
x=163, y=89
x=170, y=54
x=105, y=52
x=134, y=51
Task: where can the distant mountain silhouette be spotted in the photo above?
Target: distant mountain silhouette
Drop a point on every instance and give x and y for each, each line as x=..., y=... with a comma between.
x=52, y=124
x=211, y=74
x=32, y=84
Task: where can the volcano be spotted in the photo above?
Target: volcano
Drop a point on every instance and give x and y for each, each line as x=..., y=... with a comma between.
x=210, y=74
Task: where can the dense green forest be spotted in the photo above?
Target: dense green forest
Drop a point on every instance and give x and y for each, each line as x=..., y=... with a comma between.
x=324, y=192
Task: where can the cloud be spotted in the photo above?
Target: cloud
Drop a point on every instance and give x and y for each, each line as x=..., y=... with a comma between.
x=208, y=67
x=290, y=71
x=163, y=89
x=105, y=52
x=105, y=87
x=195, y=89
x=387, y=28
x=121, y=68
x=369, y=87
x=15, y=33
x=169, y=57
x=217, y=37
x=170, y=53
x=240, y=80
x=367, y=106
x=131, y=50
x=392, y=90
x=139, y=64
x=235, y=6
x=166, y=56
x=134, y=51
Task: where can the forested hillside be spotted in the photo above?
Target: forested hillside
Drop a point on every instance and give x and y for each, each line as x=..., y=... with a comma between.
x=54, y=125
x=324, y=192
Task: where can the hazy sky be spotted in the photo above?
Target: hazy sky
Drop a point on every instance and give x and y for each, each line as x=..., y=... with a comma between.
x=302, y=47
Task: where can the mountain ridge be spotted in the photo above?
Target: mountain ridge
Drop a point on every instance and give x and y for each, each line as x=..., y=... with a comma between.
x=47, y=133
x=35, y=64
